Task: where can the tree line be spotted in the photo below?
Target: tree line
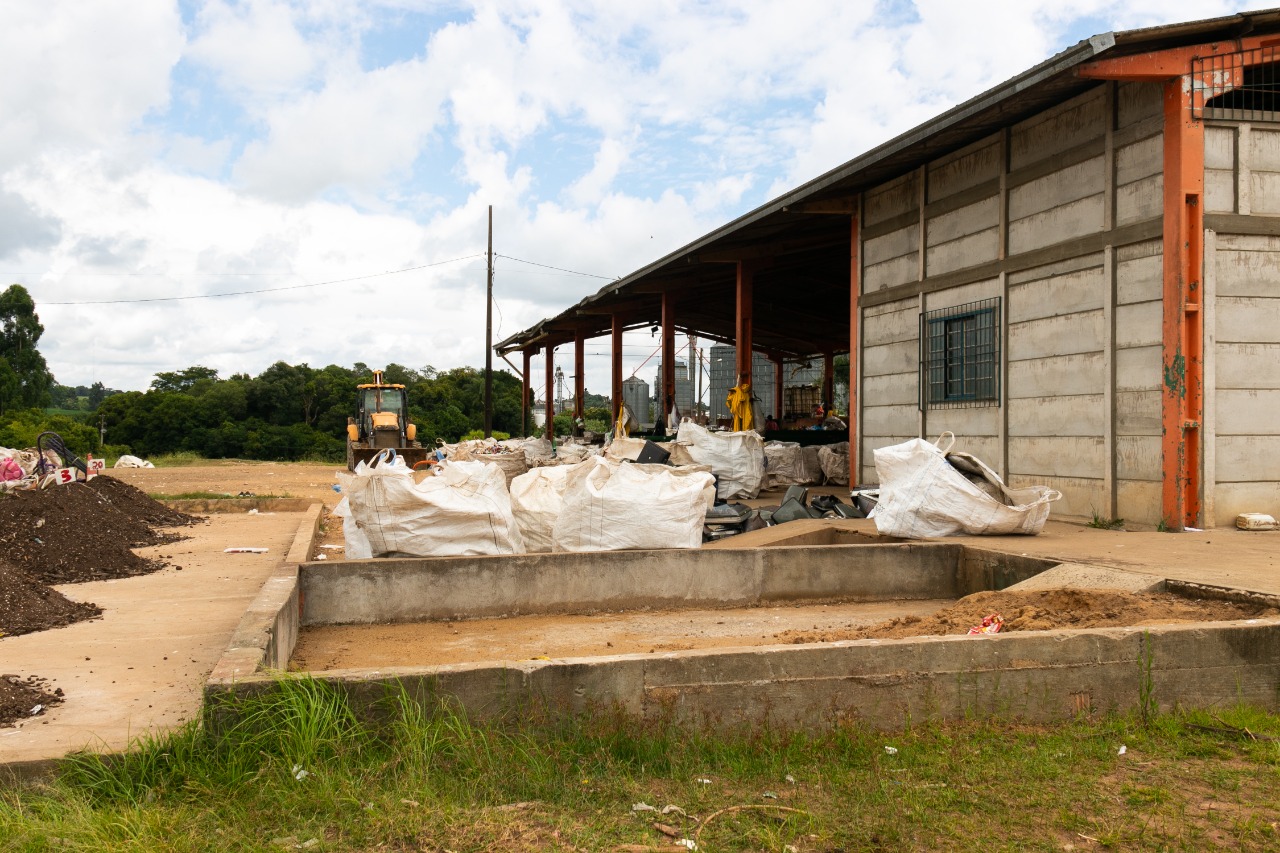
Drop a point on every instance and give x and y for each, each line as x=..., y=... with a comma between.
x=287, y=412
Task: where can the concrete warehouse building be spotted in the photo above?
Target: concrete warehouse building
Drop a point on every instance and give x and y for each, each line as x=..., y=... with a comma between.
x=1076, y=272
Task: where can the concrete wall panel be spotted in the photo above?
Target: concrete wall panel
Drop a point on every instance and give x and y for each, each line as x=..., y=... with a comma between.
x=964, y=221
x=1138, y=368
x=1056, y=189
x=1138, y=501
x=970, y=427
x=887, y=420
x=1220, y=148
x=895, y=244
x=964, y=169
x=1139, y=324
x=1250, y=270
x=1247, y=458
x=963, y=252
x=1219, y=191
x=1231, y=499
x=1082, y=290
x=1138, y=413
x=1080, y=497
x=891, y=358
x=1138, y=457
x=1072, y=375
x=1264, y=149
x=1052, y=336
x=1139, y=160
x=1065, y=456
x=1246, y=365
x=893, y=390
x=1248, y=411
x=1140, y=200
x=1059, y=129
x=1248, y=320
x=1075, y=219
x=1057, y=416
x=1265, y=189
x=953, y=296
x=1137, y=102
x=901, y=325
x=892, y=199
x=890, y=273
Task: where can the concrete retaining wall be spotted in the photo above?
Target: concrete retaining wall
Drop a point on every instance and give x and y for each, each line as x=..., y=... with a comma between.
x=1040, y=676
x=412, y=590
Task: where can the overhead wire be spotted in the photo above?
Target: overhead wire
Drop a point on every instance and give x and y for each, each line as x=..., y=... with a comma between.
x=264, y=289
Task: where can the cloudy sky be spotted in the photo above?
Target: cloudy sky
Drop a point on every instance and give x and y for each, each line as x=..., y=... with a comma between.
x=231, y=184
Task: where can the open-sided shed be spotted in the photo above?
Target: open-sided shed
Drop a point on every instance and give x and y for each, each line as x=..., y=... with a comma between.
x=1077, y=272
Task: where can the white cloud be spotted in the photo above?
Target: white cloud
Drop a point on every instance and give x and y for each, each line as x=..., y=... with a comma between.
x=254, y=47
x=81, y=74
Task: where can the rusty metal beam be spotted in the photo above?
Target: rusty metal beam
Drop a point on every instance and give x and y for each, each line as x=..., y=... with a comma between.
x=579, y=375
x=744, y=300
x=615, y=363
x=668, y=355
x=855, y=287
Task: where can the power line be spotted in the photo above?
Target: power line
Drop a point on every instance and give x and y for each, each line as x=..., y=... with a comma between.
x=265, y=289
x=557, y=269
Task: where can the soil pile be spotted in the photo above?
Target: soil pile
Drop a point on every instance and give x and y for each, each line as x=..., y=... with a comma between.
x=84, y=531
x=1042, y=610
x=27, y=605
x=72, y=534
x=23, y=698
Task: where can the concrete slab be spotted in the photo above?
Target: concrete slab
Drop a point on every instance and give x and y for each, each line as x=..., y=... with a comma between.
x=141, y=668
x=1080, y=576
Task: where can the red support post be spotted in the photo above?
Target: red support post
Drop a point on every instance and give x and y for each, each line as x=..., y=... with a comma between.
x=668, y=355
x=744, y=297
x=616, y=369
x=855, y=287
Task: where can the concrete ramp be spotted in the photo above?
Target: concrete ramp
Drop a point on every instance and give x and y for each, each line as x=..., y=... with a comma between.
x=1081, y=576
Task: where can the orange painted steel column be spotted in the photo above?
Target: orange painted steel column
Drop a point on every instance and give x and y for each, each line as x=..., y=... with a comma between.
x=855, y=286
x=668, y=355
x=524, y=393
x=743, y=297
x=616, y=365
x=579, y=375
x=1182, y=380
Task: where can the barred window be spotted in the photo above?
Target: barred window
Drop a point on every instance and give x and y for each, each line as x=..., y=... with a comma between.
x=960, y=355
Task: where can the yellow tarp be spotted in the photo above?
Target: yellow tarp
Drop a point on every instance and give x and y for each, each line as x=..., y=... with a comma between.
x=739, y=403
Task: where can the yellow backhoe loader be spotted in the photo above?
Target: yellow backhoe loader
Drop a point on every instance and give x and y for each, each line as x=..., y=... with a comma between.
x=382, y=422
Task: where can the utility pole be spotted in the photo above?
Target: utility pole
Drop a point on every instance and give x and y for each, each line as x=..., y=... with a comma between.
x=488, y=337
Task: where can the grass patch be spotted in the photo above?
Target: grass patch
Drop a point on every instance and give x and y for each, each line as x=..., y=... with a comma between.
x=1102, y=523
x=297, y=764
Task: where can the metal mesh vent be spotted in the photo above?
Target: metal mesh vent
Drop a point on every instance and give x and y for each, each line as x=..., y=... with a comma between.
x=1241, y=86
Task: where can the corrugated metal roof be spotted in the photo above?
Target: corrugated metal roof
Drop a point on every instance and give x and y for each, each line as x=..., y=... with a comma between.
x=799, y=298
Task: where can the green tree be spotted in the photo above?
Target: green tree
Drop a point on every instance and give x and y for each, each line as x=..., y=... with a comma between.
x=20, y=332
x=182, y=380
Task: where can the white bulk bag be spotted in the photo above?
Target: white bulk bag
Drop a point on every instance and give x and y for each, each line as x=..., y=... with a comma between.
x=537, y=498
x=921, y=495
x=465, y=509
x=834, y=459
x=625, y=448
x=356, y=543
x=736, y=458
x=784, y=465
x=611, y=506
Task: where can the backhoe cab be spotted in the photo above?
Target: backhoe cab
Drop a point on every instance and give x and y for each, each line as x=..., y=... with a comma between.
x=382, y=422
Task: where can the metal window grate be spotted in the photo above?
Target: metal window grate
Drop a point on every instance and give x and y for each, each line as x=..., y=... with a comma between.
x=960, y=355
x=1241, y=86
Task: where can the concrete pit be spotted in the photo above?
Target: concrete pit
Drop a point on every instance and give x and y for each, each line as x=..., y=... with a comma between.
x=692, y=635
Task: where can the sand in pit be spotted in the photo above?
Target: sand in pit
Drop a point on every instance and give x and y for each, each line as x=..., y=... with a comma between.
x=534, y=637
x=530, y=637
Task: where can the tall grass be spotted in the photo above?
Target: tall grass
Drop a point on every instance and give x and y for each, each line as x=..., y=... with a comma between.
x=296, y=765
